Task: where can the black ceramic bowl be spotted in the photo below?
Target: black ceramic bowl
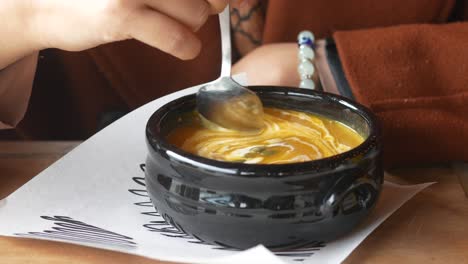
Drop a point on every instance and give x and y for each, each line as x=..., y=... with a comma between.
x=243, y=205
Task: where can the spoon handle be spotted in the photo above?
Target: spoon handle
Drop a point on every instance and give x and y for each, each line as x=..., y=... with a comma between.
x=225, y=28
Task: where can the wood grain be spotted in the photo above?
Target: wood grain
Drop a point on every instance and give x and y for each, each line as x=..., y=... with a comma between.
x=20, y=161
x=430, y=228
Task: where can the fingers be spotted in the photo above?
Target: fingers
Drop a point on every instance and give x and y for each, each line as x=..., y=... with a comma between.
x=169, y=25
x=164, y=33
x=192, y=13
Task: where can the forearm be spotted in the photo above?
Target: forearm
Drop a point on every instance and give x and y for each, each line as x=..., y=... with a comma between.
x=18, y=59
x=15, y=88
x=16, y=40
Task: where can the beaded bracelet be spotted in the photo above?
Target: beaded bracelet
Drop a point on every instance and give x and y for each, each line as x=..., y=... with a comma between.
x=306, y=54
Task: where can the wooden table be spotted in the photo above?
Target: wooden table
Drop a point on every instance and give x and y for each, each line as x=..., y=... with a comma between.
x=430, y=228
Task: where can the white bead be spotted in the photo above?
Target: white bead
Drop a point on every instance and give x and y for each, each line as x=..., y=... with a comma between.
x=306, y=68
x=305, y=36
x=307, y=84
x=306, y=52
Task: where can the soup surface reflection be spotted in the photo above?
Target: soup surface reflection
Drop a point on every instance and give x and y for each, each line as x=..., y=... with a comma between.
x=289, y=136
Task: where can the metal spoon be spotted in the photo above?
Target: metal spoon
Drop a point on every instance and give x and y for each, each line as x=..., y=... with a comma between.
x=224, y=102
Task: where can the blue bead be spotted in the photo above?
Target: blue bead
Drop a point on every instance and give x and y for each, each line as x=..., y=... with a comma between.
x=306, y=38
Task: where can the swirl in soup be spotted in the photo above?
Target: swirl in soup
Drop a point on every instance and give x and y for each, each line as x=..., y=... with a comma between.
x=288, y=137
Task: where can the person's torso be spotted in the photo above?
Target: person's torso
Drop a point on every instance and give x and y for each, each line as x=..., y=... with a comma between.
x=76, y=93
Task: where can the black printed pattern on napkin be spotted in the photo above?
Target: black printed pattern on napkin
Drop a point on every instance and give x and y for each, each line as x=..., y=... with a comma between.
x=170, y=229
x=68, y=229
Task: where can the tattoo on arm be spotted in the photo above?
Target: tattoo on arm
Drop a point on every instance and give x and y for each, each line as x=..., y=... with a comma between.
x=247, y=19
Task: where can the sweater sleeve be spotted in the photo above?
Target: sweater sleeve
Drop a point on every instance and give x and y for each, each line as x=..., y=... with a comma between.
x=415, y=78
x=15, y=89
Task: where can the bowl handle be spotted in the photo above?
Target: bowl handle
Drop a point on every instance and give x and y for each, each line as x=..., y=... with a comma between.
x=365, y=192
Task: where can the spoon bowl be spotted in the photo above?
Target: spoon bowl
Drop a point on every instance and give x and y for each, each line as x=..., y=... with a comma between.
x=229, y=105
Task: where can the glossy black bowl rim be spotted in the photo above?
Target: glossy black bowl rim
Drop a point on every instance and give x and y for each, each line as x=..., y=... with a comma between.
x=157, y=141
